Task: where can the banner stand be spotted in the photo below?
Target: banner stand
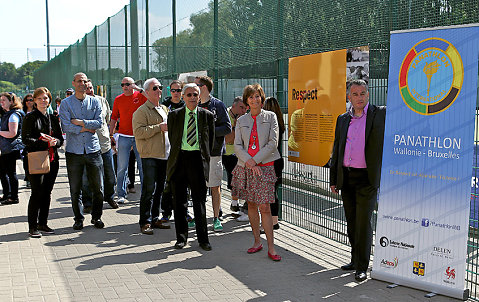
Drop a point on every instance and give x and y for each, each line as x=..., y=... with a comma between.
x=430, y=287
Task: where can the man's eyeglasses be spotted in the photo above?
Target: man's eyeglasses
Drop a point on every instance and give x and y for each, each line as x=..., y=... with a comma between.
x=192, y=94
x=155, y=88
x=125, y=84
x=175, y=90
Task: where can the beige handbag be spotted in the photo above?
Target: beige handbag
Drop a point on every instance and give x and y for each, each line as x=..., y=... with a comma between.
x=38, y=162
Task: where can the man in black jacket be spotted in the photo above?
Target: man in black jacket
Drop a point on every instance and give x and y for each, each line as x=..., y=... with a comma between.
x=191, y=134
x=222, y=128
x=356, y=170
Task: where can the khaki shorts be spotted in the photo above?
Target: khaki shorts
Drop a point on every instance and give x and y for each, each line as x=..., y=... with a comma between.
x=216, y=172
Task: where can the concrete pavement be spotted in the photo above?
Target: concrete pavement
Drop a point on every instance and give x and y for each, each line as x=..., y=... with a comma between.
x=118, y=263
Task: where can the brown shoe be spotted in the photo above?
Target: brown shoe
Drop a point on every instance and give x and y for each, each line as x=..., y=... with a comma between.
x=160, y=225
x=146, y=229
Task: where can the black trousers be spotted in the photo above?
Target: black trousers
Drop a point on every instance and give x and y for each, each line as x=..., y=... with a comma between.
x=39, y=203
x=359, y=200
x=229, y=162
x=189, y=172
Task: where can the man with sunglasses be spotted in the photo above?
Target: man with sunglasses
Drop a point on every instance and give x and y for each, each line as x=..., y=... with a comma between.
x=191, y=133
x=123, y=108
x=222, y=128
x=150, y=130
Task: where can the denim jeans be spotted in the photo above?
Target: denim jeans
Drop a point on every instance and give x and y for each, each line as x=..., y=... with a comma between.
x=76, y=164
x=153, y=183
x=8, y=171
x=123, y=155
x=109, y=181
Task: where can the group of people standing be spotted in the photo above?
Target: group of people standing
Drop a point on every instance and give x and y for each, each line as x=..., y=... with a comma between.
x=180, y=149
x=179, y=146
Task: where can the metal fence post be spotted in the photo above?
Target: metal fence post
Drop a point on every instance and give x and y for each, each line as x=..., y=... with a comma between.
x=85, y=45
x=215, y=45
x=125, y=12
x=109, y=58
x=96, y=56
x=173, y=8
x=135, y=52
x=147, y=21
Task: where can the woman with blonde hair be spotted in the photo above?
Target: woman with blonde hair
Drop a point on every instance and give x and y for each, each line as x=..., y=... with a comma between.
x=256, y=146
x=41, y=132
x=10, y=145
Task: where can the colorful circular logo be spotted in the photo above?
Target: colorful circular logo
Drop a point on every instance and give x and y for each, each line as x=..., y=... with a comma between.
x=431, y=76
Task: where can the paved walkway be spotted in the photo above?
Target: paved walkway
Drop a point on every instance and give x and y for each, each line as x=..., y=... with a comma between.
x=118, y=263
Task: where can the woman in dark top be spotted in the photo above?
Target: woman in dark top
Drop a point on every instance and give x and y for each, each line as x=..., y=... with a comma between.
x=41, y=131
x=10, y=145
x=271, y=104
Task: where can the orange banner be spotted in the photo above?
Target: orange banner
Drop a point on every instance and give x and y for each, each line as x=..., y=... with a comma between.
x=316, y=97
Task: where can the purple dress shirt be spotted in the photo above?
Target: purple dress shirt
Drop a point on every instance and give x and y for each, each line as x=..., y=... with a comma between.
x=354, y=150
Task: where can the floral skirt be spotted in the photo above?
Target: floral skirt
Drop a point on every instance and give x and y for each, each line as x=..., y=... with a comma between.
x=254, y=188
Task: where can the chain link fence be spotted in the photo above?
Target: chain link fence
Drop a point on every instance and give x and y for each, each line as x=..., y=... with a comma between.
x=239, y=42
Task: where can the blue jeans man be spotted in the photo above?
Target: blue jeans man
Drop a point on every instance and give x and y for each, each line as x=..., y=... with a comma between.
x=109, y=181
x=123, y=154
x=76, y=164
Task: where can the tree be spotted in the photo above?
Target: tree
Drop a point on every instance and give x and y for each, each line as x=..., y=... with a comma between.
x=8, y=72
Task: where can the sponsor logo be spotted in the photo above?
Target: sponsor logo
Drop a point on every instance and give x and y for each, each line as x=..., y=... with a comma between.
x=426, y=222
x=450, y=275
x=385, y=242
x=419, y=268
x=442, y=252
x=389, y=264
x=431, y=76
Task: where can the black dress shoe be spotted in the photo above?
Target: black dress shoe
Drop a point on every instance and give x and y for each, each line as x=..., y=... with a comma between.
x=179, y=245
x=97, y=223
x=113, y=204
x=360, y=276
x=348, y=267
x=205, y=246
x=78, y=225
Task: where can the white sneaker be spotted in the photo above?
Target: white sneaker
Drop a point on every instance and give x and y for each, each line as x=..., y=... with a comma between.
x=121, y=200
x=243, y=218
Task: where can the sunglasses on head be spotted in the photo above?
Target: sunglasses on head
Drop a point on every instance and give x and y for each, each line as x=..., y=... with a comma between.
x=200, y=85
x=192, y=94
x=155, y=88
x=125, y=84
x=175, y=90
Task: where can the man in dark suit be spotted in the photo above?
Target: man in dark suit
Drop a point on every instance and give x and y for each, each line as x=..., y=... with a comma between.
x=356, y=170
x=191, y=133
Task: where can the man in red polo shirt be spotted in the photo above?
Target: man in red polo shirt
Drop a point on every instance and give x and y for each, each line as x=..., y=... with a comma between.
x=123, y=108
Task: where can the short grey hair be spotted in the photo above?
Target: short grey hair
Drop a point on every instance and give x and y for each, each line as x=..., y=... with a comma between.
x=238, y=99
x=190, y=85
x=356, y=82
x=148, y=82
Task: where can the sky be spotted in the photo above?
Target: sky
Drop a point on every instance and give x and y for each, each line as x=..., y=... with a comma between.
x=24, y=25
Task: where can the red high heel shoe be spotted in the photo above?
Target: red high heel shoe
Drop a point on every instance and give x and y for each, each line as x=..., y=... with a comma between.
x=255, y=249
x=274, y=257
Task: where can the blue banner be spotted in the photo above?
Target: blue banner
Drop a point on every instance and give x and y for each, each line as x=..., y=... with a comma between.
x=425, y=189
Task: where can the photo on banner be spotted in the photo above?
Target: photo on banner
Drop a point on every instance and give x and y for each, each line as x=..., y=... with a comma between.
x=316, y=97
